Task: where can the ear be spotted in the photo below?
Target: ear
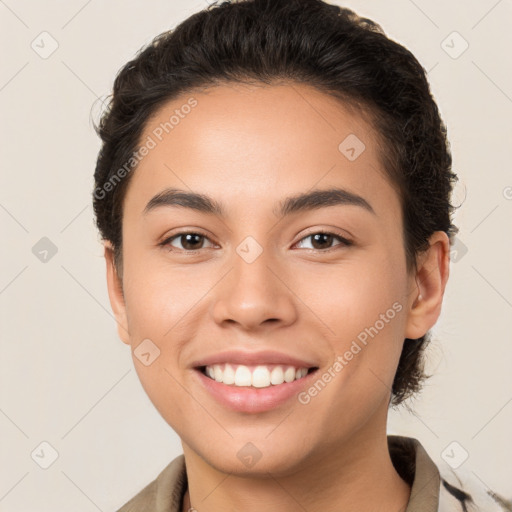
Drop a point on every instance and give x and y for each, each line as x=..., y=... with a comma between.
x=428, y=286
x=115, y=294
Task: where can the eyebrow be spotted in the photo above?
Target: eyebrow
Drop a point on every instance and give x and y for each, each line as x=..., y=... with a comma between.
x=303, y=202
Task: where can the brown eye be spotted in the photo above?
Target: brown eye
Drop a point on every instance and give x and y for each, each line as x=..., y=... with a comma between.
x=322, y=240
x=189, y=241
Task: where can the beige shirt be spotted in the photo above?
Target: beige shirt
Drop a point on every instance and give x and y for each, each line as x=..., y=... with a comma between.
x=429, y=492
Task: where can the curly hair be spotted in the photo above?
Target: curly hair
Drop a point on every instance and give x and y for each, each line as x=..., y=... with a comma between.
x=310, y=42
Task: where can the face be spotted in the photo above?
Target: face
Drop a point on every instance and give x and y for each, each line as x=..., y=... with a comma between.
x=262, y=326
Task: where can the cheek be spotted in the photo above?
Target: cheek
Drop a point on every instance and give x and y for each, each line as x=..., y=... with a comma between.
x=162, y=384
x=163, y=305
x=352, y=297
x=364, y=310
x=160, y=298
x=160, y=308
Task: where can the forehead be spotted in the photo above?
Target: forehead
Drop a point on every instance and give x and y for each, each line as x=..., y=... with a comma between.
x=251, y=143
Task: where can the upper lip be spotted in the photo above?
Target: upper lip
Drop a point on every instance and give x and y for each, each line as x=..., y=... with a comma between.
x=261, y=357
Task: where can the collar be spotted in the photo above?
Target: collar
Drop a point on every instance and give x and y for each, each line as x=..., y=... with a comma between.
x=166, y=492
x=413, y=464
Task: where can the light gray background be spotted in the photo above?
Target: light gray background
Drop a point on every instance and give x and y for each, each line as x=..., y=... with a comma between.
x=67, y=380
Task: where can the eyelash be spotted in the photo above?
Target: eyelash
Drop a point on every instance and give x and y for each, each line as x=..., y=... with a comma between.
x=166, y=243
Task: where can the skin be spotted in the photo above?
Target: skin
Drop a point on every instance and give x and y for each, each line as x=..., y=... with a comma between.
x=249, y=147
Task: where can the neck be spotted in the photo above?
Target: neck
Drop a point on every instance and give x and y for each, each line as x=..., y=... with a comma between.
x=359, y=476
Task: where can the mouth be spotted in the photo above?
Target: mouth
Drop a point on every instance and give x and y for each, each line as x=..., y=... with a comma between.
x=254, y=381
x=254, y=389
x=255, y=376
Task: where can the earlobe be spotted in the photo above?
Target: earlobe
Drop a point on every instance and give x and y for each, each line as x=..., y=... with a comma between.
x=429, y=285
x=115, y=293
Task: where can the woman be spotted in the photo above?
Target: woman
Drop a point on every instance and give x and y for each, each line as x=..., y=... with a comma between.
x=273, y=192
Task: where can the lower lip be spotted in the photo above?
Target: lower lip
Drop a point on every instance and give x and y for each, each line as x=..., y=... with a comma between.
x=250, y=399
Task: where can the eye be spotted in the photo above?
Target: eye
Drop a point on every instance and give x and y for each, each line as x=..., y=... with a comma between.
x=190, y=241
x=325, y=238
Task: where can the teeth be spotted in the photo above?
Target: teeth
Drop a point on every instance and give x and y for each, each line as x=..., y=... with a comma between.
x=228, y=377
x=277, y=375
x=289, y=374
x=217, y=373
x=259, y=377
x=242, y=375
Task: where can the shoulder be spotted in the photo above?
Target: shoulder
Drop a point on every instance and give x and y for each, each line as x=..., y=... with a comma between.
x=437, y=487
x=462, y=490
x=164, y=494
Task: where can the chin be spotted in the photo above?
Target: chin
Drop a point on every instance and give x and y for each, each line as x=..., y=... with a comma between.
x=255, y=459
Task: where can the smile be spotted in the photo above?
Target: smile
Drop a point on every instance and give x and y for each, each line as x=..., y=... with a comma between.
x=256, y=389
x=260, y=376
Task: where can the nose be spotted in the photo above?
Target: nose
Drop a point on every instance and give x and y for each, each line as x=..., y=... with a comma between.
x=255, y=295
